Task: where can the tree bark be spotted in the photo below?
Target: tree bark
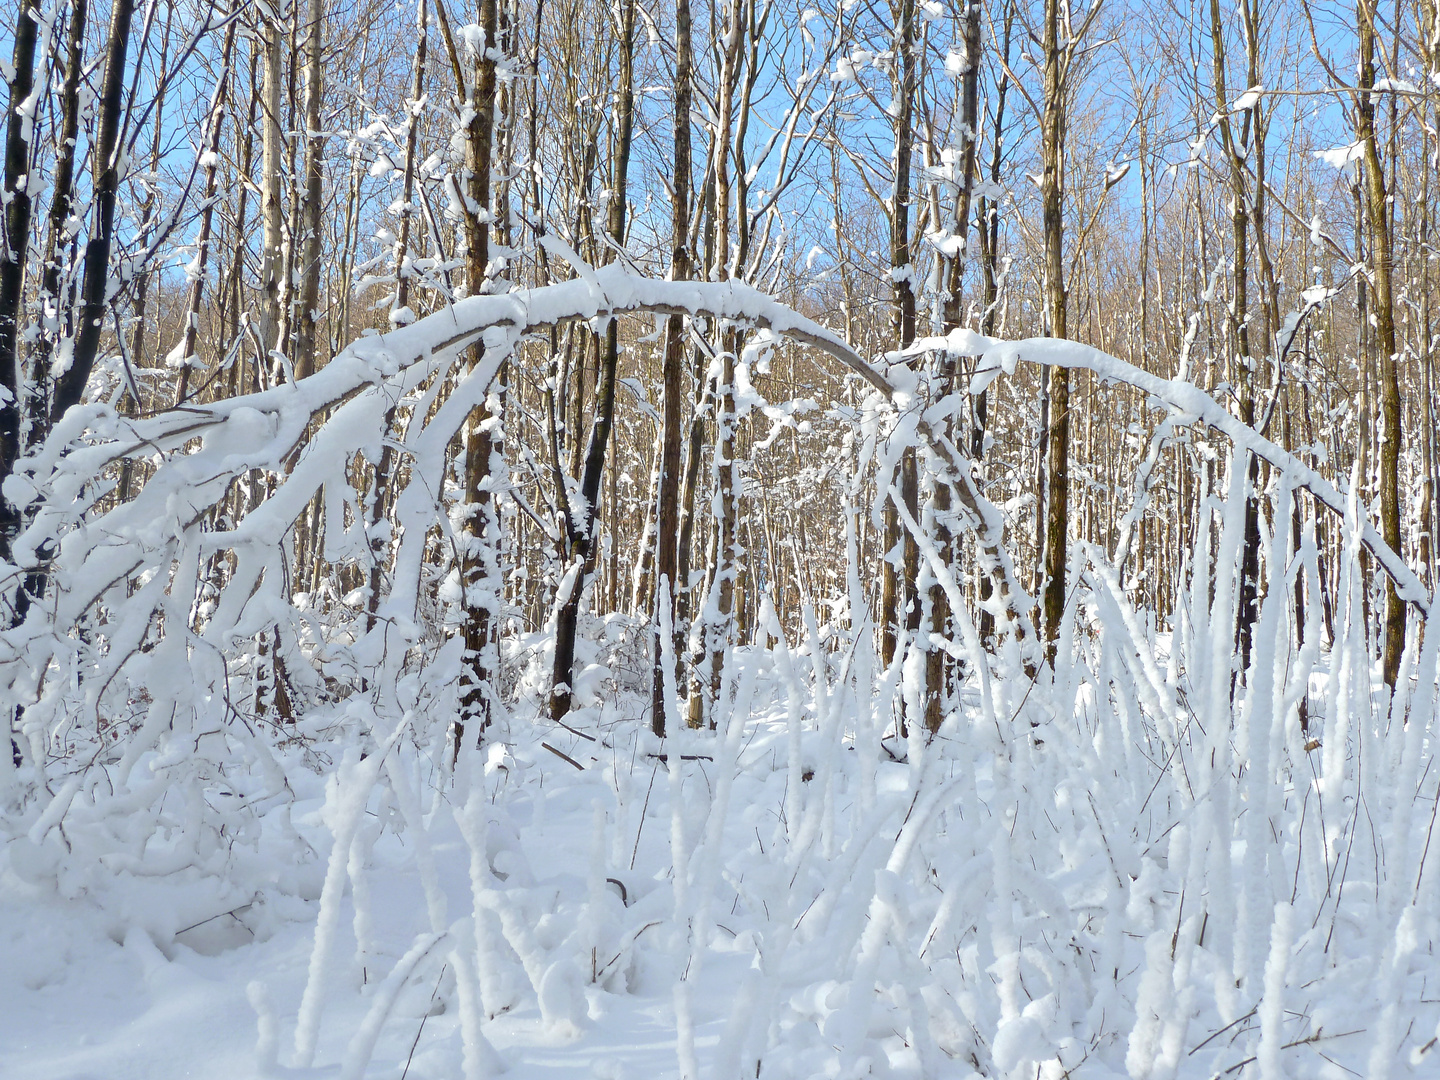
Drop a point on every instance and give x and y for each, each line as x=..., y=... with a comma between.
x=1242, y=376
x=717, y=618
x=898, y=583
x=17, y=196
x=937, y=660
x=56, y=320
x=305, y=317
x=272, y=169
x=70, y=386
x=379, y=539
x=989, y=222
x=1057, y=501
x=673, y=393
x=1379, y=220
x=480, y=538
x=582, y=521
x=190, y=331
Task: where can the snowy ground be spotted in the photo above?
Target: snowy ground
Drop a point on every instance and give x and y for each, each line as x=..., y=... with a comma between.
x=794, y=898
x=184, y=975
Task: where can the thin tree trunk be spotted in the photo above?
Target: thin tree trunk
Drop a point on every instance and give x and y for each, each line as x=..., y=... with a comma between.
x=138, y=341
x=898, y=583
x=990, y=269
x=1057, y=435
x=272, y=175
x=185, y=358
x=673, y=396
x=484, y=450
x=400, y=314
x=937, y=661
x=70, y=386
x=286, y=305
x=62, y=202
x=695, y=440
x=310, y=211
x=1378, y=216
x=130, y=403
x=235, y=275
x=716, y=620
x=582, y=524
x=1241, y=375
x=17, y=198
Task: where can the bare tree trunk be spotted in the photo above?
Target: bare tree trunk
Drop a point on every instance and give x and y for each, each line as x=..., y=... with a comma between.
x=17, y=209
x=399, y=315
x=889, y=584
x=673, y=396
x=1378, y=217
x=130, y=402
x=94, y=298
x=937, y=661
x=309, y=244
x=1425, y=513
x=287, y=308
x=582, y=522
x=989, y=220
x=138, y=341
x=1057, y=502
x=716, y=620
x=1363, y=456
x=642, y=572
x=898, y=583
x=185, y=358
x=62, y=202
x=695, y=440
x=70, y=386
x=272, y=175
x=484, y=451
x=234, y=283
x=1241, y=373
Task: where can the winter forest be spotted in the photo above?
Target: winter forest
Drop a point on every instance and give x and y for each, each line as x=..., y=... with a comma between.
x=719, y=539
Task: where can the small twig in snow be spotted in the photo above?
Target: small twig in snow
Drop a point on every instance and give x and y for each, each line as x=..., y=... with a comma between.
x=418, y=1031
x=562, y=754
x=643, y=808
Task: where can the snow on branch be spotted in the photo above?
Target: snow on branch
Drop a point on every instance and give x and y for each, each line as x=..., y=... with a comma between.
x=198, y=452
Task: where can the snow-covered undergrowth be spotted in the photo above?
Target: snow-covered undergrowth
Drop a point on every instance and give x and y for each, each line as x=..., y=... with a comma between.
x=1140, y=863
x=1110, y=872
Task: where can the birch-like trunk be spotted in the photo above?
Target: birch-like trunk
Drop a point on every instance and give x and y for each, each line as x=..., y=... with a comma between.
x=717, y=618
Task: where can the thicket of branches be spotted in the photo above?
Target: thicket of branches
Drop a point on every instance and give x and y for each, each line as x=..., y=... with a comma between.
x=203, y=203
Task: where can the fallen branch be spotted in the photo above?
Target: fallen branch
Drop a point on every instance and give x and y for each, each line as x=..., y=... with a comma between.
x=562, y=754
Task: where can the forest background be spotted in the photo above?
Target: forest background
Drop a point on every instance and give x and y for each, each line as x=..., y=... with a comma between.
x=421, y=378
